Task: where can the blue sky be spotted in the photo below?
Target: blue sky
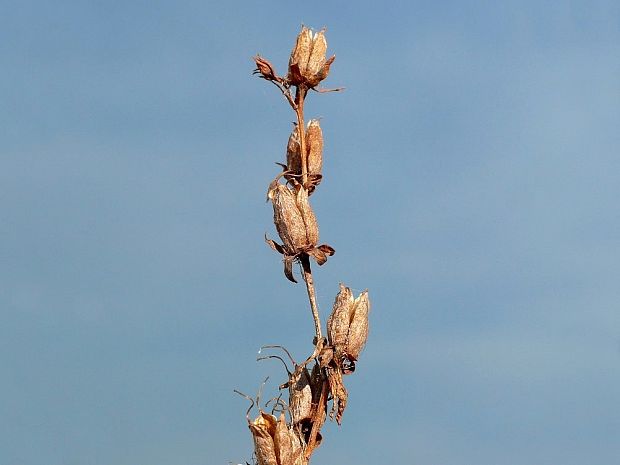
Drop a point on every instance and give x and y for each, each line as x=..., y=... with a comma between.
x=471, y=183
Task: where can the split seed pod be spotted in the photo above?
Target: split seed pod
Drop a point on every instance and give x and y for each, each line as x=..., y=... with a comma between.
x=347, y=326
x=314, y=156
x=300, y=396
x=287, y=444
x=263, y=430
x=307, y=63
x=274, y=442
x=314, y=143
x=296, y=225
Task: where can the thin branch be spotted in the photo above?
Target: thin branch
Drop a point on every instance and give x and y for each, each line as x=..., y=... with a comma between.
x=307, y=272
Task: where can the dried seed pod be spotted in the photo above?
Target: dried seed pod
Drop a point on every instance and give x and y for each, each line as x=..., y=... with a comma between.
x=298, y=62
x=300, y=396
x=316, y=59
x=263, y=430
x=287, y=444
x=296, y=226
x=314, y=144
x=289, y=220
x=309, y=219
x=307, y=64
x=265, y=69
x=358, y=330
x=340, y=319
x=347, y=326
x=293, y=156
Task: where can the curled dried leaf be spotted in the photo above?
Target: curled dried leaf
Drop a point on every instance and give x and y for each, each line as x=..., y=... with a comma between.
x=339, y=393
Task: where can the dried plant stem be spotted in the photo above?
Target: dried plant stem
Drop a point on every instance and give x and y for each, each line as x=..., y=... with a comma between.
x=318, y=415
x=307, y=271
x=300, y=96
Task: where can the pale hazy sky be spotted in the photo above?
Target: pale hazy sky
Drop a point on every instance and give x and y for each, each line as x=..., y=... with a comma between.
x=472, y=178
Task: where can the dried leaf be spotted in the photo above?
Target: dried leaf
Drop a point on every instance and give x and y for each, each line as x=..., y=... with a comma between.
x=288, y=268
x=339, y=393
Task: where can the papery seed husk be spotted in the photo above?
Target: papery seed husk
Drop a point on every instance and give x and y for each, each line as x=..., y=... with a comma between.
x=263, y=429
x=293, y=156
x=309, y=220
x=287, y=444
x=314, y=143
x=358, y=329
x=317, y=54
x=340, y=319
x=300, y=54
x=322, y=74
x=288, y=219
x=300, y=396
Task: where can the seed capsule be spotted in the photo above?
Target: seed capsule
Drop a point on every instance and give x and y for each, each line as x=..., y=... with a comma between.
x=307, y=63
x=358, y=330
x=314, y=143
x=263, y=429
x=347, y=326
x=294, y=219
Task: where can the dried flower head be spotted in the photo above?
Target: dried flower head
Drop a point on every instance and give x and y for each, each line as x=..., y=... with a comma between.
x=296, y=226
x=307, y=63
x=314, y=156
x=347, y=327
x=274, y=442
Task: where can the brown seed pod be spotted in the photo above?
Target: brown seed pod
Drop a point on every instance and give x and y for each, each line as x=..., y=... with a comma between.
x=296, y=225
x=314, y=143
x=307, y=63
x=340, y=319
x=287, y=444
x=316, y=59
x=347, y=327
x=358, y=330
x=309, y=219
x=290, y=221
x=265, y=69
x=300, y=395
x=293, y=156
x=298, y=61
x=263, y=429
